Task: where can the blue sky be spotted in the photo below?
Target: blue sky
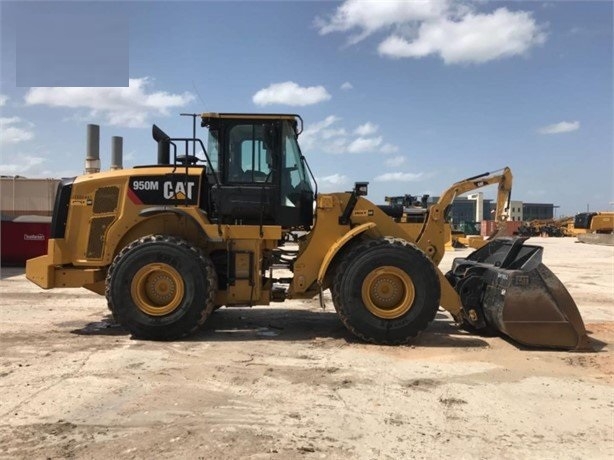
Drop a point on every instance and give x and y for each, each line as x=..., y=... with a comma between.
x=410, y=96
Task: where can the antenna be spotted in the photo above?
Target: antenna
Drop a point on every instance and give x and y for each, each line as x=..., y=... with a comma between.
x=198, y=94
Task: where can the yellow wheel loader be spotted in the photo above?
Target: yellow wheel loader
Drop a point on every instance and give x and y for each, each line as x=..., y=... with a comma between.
x=168, y=243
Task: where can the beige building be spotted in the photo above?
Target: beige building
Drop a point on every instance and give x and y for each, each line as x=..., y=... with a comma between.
x=20, y=196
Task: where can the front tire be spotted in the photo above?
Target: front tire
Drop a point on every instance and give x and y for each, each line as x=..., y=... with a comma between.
x=386, y=291
x=161, y=288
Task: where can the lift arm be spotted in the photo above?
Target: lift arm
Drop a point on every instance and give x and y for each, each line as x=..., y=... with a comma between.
x=431, y=237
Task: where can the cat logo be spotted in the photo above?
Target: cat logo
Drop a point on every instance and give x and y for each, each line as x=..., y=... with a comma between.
x=164, y=189
x=178, y=190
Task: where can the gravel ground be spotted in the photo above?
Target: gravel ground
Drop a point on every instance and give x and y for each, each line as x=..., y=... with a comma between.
x=288, y=381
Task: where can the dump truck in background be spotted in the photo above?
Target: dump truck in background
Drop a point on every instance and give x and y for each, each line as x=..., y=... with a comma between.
x=169, y=243
x=594, y=222
x=594, y=227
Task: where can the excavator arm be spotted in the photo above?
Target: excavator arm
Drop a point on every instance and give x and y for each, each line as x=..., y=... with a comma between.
x=502, y=177
x=431, y=237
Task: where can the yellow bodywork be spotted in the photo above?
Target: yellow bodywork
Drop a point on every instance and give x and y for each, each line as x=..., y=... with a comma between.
x=103, y=217
x=327, y=237
x=602, y=222
x=82, y=257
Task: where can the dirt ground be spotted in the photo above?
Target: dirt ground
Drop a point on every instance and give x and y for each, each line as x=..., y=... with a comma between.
x=288, y=381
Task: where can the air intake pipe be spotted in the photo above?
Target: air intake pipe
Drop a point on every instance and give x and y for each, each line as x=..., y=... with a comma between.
x=92, y=157
x=117, y=152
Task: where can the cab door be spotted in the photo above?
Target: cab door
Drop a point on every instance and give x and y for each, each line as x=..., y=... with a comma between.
x=249, y=188
x=297, y=196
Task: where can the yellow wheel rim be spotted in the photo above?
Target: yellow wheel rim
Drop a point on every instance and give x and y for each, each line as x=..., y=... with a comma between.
x=388, y=292
x=157, y=289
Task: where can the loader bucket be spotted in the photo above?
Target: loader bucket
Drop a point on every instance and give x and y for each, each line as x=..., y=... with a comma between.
x=505, y=286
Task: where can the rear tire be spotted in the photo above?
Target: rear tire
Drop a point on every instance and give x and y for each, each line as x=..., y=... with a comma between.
x=161, y=288
x=386, y=291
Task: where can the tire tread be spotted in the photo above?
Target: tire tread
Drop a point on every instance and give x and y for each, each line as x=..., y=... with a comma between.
x=208, y=269
x=360, y=248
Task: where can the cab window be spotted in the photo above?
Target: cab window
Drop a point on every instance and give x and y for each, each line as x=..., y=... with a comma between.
x=294, y=177
x=213, y=150
x=249, y=158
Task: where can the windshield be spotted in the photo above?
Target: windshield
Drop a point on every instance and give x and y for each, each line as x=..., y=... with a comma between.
x=213, y=149
x=294, y=178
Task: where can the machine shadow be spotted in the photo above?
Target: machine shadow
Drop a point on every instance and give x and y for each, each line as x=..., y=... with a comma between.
x=294, y=325
x=11, y=271
x=106, y=326
x=289, y=324
x=596, y=346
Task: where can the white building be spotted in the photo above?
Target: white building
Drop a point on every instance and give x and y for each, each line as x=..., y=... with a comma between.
x=516, y=211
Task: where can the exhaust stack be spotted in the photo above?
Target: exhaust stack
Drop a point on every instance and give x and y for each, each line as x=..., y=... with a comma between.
x=117, y=143
x=164, y=147
x=92, y=158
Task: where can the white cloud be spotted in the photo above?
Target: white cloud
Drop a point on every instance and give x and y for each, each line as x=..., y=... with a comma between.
x=452, y=30
x=364, y=144
x=11, y=134
x=35, y=166
x=333, y=133
x=395, y=161
x=290, y=93
x=329, y=136
x=26, y=166
x=333, y=183
x=3, y=100
x=126, y=106
x=398, y=177
x=370, y=16
x=313, y=134
x=14, y=135
x=562, y=127
x=367, y=129
x=328, y=121
x=9, y=120
x=474, y=38
x=335, y=179
x=389, y=148
x=347, y=86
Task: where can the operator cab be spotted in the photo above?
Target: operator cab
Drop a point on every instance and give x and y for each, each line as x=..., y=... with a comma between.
x=261, y=173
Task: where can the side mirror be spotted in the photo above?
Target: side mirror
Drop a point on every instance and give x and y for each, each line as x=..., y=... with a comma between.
x=361, y=188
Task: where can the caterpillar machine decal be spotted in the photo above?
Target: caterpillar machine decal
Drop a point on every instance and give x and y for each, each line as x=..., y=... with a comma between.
x=169, y=243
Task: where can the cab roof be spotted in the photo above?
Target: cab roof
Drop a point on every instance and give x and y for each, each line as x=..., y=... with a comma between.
x=296, y=119
x=251, y=116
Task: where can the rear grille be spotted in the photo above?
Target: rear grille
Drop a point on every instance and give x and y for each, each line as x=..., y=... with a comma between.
x=95, y=243
x=105, y=200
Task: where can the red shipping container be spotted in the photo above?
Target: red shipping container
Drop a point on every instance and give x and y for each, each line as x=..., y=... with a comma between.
x=487, y=227
x=23, y=240
x=512, y=227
